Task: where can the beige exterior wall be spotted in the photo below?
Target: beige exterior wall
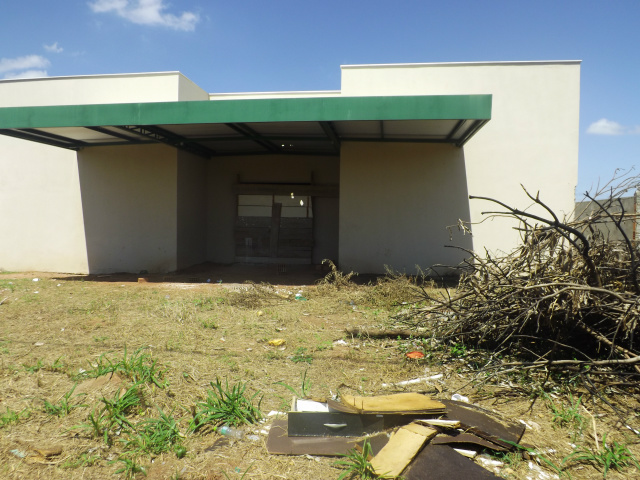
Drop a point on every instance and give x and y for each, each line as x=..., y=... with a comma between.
x=40, y=198
x=223, y=174
x=191, y=210
x=259, y=95
x=399, y=216
x=129, y=198
x=532, y=138
x=156, y=209
x=40, y=209
x=99, y=89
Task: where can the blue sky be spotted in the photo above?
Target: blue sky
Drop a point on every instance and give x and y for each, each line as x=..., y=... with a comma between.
x=258, y=45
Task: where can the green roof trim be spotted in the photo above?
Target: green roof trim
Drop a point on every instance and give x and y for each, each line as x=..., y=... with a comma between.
x=430, y=107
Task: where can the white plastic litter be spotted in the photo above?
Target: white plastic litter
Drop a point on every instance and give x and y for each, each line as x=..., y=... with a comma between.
x=303, y=405
x=413, y=381
x=459, y=398
x=466, y=453
x=541, y=474
x=488, y=462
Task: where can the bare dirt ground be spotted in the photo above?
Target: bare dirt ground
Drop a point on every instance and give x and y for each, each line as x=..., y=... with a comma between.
x=197, y=329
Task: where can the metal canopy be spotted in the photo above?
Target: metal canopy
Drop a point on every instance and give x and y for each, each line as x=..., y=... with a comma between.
x=307, y=126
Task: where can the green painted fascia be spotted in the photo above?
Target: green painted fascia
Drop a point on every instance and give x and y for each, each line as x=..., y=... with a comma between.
x=333, y=109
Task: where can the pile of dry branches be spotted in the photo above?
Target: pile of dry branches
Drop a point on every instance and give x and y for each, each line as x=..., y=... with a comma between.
x=567, y=298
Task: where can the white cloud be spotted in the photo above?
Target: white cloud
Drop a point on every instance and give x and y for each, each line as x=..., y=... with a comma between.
x=28, y=62
x=146, y=12
x=609, y=127
x=54, y=48
x=27, y=74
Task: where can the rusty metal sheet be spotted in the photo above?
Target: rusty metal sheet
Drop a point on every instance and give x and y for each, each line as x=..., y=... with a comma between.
x=459, y=440
x=441, y=462
x=485, y=423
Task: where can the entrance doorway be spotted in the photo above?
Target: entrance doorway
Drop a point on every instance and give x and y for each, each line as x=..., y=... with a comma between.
x=274, y=229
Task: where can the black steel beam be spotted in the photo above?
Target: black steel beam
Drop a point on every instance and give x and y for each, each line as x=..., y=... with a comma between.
x=53, y=136
x=39, y=139
x=331, y=133
x=111, y=133
x=455, y=129
x=477, y=125
x=251, y=134
x=164, y=136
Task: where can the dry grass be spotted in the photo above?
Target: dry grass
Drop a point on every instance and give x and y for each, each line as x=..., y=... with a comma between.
x=56, y=327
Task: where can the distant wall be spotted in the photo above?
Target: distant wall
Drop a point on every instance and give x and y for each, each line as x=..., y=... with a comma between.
x=610, y=231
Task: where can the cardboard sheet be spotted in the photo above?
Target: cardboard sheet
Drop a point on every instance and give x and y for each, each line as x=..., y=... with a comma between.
x=398, y=403
x=403, y=445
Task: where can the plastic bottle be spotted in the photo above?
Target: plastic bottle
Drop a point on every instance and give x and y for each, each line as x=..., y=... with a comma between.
x=230, y=432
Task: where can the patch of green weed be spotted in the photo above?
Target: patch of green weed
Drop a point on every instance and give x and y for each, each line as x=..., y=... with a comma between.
x=104, y=421
x=11, y=416
x=305, y=386
x=356, y=463
x=612, y=456
x=301, y=356
x=83, y=460
x=567, y=415
x=209, y=324
x=156, y=436
x=64, y=405
x=139, y=367
x=36, y=367
x=130, y=468
x=226, y=405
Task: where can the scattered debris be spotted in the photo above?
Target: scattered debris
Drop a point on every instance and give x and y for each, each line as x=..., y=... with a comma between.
x=18, y=453
x=403, y=445
x=398, y=427
x=398, y=403
x=415, y=355
x=413, y=381
x=459, y=398
x=567, y=299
